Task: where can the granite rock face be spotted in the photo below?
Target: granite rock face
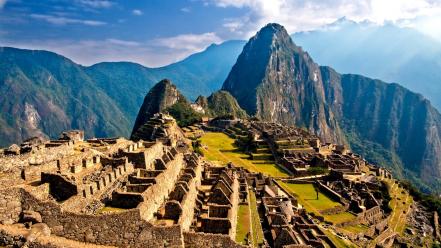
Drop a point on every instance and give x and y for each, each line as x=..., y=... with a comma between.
x=277, y=81
x=163, y=95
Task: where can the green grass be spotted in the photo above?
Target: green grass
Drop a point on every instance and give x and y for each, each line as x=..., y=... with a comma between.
x=356, y=228
x=257, y=237
x=339, y=218
x=338, y=242
x=243, y=223
x=400, y=203
x=108, y=209
x=221, y=150
x=307, y=197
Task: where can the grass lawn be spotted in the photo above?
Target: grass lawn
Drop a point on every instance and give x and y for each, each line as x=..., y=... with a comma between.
x=356, y=228
x=108, y=209
x=221, y=150
x=400, y=204
x=339, y=218
x=308, y=198
x=243, y=223
x=338, y=242
x=255, y=221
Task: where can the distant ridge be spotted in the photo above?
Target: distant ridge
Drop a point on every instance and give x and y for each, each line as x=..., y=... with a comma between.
x=102, y=99
x=275, y=80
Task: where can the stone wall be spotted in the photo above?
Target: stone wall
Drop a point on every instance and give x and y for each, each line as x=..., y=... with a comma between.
x=331, y=193
x=153, y=152
x=373, y=216
x=189, y=202
x=234, y=207
x=40, y=156
x=208, y=240
x=118, y=229
x=10, y=205
x=334, y=210
x=155, y=195
x=143, y=158
x=34, y=172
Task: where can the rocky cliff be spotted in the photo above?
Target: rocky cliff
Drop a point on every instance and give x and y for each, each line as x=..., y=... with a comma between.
x=160, y=97
x=164, y=97
x=276, y=80
x=43, y=94
x=222, y=103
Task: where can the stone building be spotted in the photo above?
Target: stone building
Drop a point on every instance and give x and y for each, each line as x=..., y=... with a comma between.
x=116, y=192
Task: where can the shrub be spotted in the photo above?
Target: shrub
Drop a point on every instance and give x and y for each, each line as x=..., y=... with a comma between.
x=184, y=114
x=317, y=170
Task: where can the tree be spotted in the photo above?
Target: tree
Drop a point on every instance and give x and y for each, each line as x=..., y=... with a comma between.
x=315, y=185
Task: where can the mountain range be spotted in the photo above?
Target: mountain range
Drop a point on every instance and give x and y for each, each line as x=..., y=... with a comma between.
x=165, y=97
x=276, y=80
x=45, y=93
x=387, y=52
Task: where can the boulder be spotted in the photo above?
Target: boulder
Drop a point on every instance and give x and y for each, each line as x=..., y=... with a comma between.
x=31, y=216
x=41, y=228
x=12, y=150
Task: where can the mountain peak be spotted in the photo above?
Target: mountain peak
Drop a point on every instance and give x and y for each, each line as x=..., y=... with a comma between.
x=161, y=96
x=273, y=27
x=272, y=33
x=269, y=81
x=165, y=82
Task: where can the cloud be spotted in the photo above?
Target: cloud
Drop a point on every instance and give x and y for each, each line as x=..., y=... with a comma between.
x=137, y=12
x=234, y=25
x=188, y=42
x=186, y=9
x=2, y=3
x=88, y=52
x=123, y=42
x=96, y=3
x=59, y=20
x=151, y=53
x=302, y=15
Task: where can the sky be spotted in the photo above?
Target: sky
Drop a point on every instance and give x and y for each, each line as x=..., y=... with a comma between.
x=159, y=32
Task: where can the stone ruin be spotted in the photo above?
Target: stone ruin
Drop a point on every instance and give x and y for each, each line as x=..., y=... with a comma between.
x=217, y=201
x=160, y=128
x=299, y=152
x=74, y=135
x=156, y=192
x=116, y=192
x=361, y=196
x=285, y=223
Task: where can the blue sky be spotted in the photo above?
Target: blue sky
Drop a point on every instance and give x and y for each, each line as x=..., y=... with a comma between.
x=158, y=32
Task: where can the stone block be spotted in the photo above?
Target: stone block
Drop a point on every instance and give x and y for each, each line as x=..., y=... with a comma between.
x=31, y=216
x=41, y=229
x=76, y=168
x=96, y=159
x=92, y=189
x=103, y=182
x=87, y=163
x=111, y=176
x=99, y=186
